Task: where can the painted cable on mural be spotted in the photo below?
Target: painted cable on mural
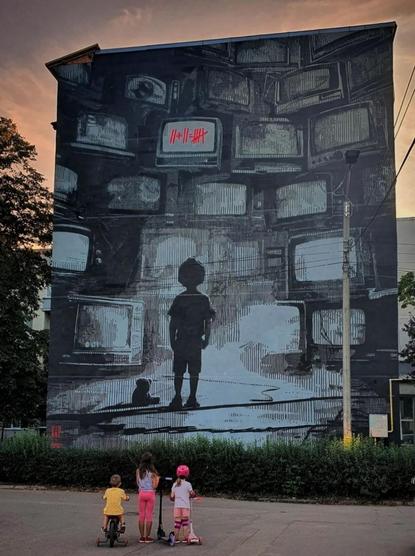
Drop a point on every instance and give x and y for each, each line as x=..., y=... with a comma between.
x=197, y=255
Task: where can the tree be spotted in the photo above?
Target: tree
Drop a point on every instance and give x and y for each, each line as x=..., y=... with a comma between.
x=406, y=296
x=25, y=236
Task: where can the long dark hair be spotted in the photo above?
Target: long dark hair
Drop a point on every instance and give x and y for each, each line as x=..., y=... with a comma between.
x=146, y=464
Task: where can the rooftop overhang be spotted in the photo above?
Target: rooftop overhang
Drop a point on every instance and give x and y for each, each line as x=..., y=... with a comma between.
x=83, y=56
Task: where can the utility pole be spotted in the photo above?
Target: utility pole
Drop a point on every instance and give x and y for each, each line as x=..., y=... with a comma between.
x=351, y=158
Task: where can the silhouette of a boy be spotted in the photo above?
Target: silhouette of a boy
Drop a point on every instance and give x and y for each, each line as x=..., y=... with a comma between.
x=191, y=317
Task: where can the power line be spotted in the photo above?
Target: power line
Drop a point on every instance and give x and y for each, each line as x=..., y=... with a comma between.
x=406, y=110
x=404, y=96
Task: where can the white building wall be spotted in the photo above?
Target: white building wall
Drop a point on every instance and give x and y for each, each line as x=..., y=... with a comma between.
x=406, y=263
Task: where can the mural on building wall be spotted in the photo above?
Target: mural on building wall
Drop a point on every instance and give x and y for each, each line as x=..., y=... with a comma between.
x=197, y=256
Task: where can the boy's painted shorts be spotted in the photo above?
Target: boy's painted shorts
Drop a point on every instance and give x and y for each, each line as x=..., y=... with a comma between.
x=193, y=364
x=180, y=513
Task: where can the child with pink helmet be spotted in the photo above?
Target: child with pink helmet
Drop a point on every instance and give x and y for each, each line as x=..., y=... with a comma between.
x=181, y=493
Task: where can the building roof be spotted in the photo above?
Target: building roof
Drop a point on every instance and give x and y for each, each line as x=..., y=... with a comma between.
x=88, y=53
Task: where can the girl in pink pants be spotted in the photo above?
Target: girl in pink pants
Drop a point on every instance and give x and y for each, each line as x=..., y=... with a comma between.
x=147, y=482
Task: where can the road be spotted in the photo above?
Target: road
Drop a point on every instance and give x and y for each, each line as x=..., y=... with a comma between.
x=61, y=523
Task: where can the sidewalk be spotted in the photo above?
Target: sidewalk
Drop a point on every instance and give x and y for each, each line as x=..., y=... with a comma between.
x=61, y=523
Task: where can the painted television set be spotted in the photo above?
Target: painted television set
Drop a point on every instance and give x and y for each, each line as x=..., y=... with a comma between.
x=375, y=181
x=263, y=54
x=333, y=132
x=147, y=89
x=163, y=250
x=75, y=73
x=224, y=254
x=310, y=87
x=325, y=45
x=267, y=145
x=316, y=265
x=223, y=52
x=222, y=88
x=303, y=200
x=98, y=133
x=72, y=248
x=270, y=328
x=135, y=194
x=66, y=183
x=370, y=70
x=194, y=142
x=106, y=331
x=213, y=197
x=327, y=327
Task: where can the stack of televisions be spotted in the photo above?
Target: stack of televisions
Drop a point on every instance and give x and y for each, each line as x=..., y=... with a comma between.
x=234, y=156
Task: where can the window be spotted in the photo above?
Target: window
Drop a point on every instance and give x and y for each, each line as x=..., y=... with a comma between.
x=407, y=405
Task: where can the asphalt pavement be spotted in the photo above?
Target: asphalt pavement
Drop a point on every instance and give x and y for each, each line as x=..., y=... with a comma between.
x=61, y=523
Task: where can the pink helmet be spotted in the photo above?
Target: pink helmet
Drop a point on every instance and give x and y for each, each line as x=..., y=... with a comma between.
x=182, y=471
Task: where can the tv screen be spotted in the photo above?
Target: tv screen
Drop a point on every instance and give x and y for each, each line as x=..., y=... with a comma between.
x=70, y=250
x=340, y=128
x=66, y=182
x=217, y=52
x=230, y=258
x=75, y=73
x=268, y=139
x=371, y=68
x=327, y=325
x=321, y=259
x=227, y=87
x=164, y=251
x=320, y=40
x=301, y=199
x=276, y=328
x=323, y=45
x=300, y=84
x=102, y=130
x=262, y=52
x=134, y=193
x=246, y=259
x=218, y=198
x=190, y=142
x=101, y=327
x=145, y=88
x=376, y=181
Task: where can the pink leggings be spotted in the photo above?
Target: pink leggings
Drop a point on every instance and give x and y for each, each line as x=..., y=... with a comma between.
x=146, y=501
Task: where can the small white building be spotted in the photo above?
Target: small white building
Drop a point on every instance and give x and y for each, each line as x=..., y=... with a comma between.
x=406, y=263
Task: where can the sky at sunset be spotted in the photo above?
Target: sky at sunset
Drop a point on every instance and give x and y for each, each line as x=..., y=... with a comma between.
x=36, y=31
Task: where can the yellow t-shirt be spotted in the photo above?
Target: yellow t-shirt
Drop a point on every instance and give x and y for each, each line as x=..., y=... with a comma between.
x=114, y=496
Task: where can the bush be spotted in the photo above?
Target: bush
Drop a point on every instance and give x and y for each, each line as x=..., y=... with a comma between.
x=323, y=470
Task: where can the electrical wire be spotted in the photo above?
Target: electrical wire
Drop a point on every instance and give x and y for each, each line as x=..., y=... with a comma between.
x=406, y=110
x=404, y=96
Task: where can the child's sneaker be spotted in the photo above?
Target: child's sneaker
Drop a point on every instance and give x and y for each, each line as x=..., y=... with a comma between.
x=142, y=539
x=148, y=540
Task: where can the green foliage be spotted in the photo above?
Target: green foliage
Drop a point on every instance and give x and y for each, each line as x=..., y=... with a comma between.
x=406, y=290
x=25, y=233
x=323, y=470
x=406, y=296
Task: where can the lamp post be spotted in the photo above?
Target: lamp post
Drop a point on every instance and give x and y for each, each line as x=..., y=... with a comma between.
x=351, y=158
